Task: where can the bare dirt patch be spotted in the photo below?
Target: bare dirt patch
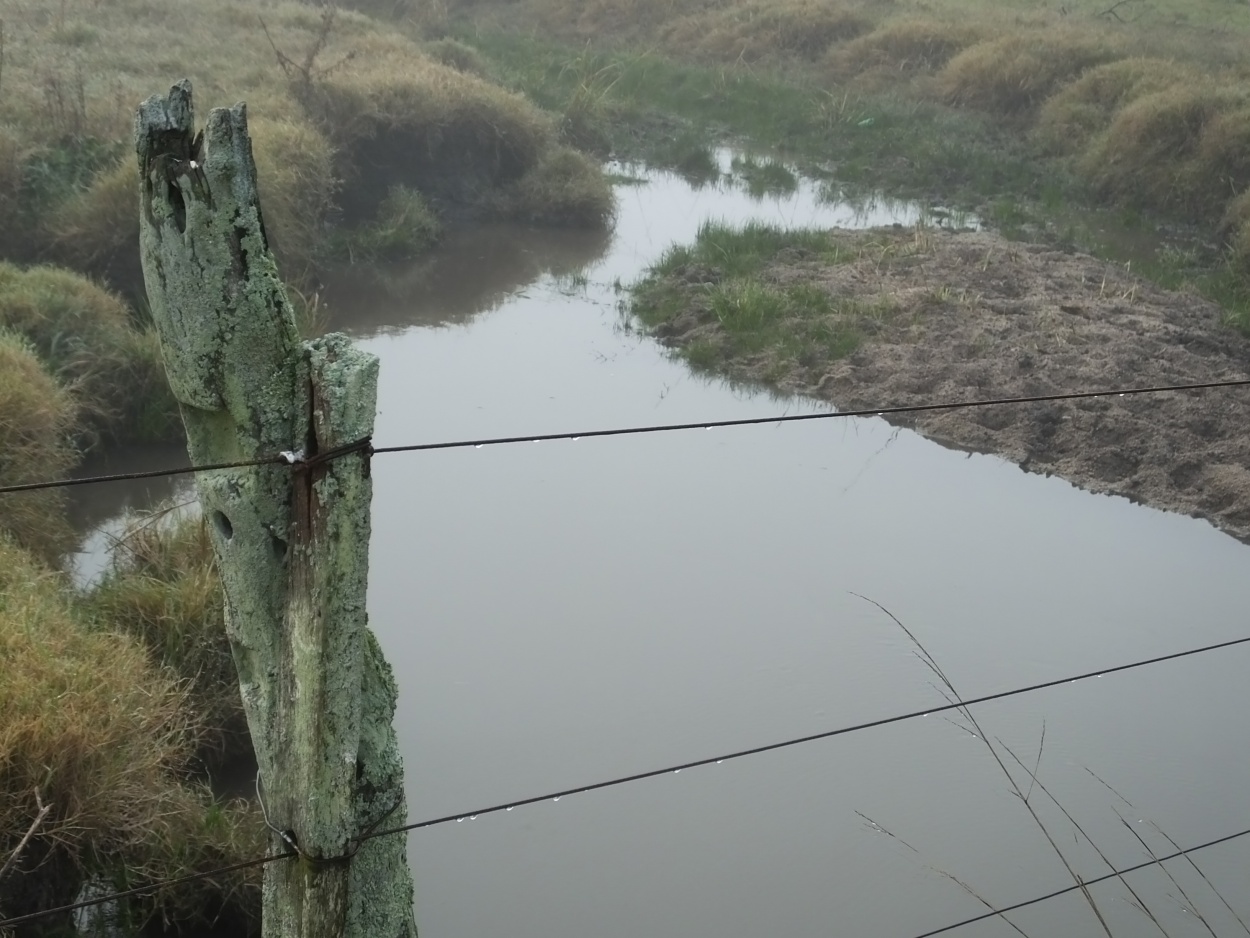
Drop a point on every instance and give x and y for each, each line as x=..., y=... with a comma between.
x=976, y=316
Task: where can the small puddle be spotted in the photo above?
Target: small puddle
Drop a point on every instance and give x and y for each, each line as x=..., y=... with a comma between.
x=565, y=612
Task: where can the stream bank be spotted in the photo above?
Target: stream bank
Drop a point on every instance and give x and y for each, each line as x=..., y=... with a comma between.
x=969, y=315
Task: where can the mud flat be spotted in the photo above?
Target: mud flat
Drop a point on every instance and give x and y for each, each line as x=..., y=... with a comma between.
x=970, y=315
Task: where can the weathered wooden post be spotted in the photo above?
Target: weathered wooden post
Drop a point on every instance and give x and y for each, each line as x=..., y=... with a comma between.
x=291, y=541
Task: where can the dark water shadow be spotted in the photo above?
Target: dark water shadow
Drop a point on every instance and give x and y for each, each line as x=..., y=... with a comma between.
x=473, y=270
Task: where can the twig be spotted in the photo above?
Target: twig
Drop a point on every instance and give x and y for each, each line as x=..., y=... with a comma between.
x=1141, y=903
x=933, y=666
x=1193, y=906
x=43, y=813
x=1111, y=10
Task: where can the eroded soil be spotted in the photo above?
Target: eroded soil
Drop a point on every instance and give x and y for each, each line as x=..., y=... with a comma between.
x=977, y=317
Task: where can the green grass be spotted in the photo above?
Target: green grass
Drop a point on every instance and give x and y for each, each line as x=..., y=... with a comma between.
x=719, y=303
x=764, y=177
x=910, y=147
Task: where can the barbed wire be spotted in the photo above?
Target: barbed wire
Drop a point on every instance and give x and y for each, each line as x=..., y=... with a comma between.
x=1085, y=883
x=653, y=773
x=295, y=460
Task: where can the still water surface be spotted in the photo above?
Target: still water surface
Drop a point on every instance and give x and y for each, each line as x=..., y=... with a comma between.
x=565, y=612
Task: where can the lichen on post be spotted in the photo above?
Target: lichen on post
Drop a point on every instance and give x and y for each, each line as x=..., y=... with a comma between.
x=291, y=541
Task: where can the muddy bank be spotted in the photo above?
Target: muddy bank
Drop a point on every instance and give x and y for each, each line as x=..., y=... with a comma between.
x=970, y=315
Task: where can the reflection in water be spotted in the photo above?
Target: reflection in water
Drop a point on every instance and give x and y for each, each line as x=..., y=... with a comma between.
x=472, y=270
x=100, y=510
x=561, y=613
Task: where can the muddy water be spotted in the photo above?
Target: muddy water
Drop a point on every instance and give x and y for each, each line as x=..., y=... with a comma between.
x=562, y=613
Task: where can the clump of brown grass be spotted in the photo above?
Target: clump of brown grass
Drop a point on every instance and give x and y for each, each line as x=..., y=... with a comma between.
x=902, y=48
x=36, y=418
x=774, y=31
x=94, y=730
x=87, y=725
x=1180, y=149
x=1011, y=75
x=1076, y=113
x=563, y=188
x=163, y=589
x=86, y=336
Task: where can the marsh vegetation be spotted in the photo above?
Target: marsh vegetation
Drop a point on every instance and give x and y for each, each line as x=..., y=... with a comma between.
x=379, y=128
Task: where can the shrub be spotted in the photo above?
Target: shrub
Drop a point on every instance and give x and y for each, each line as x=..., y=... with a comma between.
x=1012, y=75
x=1086, y=107
x=36, y=417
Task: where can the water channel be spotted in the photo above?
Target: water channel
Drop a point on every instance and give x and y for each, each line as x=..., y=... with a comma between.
x=560, y=613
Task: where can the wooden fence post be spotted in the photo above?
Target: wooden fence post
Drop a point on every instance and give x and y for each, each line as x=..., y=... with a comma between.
x=291, y=541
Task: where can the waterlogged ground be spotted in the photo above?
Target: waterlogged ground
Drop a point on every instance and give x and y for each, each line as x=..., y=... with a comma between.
x=968, y=315
x=562, y=613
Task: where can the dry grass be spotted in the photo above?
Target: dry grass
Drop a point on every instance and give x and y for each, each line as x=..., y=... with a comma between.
x=1182, y=148
x=397, y=118
x=333, y=96
x=1011, y=76
x=163, y=589
x=92, y=727
x=86, y=336
x=775, y=32
x=1086, y=107
x=36, y=418
x=104, y=753
x=900, y=48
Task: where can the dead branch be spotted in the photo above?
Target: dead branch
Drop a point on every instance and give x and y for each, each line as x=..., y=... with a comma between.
x=34, y=825
x=1111, y=10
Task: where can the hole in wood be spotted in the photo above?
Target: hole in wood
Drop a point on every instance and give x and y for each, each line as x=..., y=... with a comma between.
x=223, y=525
x=179, y=206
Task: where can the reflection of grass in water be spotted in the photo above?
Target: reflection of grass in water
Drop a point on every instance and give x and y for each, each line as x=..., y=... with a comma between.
x=1024, y=788
x=766, y=177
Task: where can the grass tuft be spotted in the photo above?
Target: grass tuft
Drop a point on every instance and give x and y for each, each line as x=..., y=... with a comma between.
x=163, y=589
x=37, y=416
x=88, y=340
x=1012, y=75
x=1182, y=148
x=1077, y=113
x=108, y=756
x=901, y=48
